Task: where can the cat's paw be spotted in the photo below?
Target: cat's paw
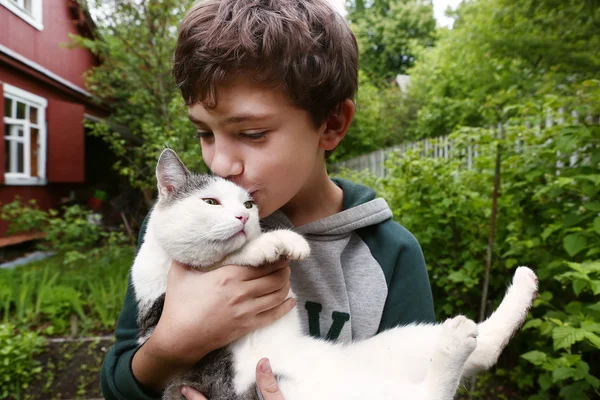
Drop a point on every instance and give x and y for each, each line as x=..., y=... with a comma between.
x=459, y=337
x=274, y=245
x=296, y=247
x=526, y=282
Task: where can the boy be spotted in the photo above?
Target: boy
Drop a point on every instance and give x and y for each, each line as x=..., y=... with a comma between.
x=269, y=86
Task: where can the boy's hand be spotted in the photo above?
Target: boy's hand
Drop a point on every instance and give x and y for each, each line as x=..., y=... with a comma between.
x=267, y=384
x=204, y=311
x=219, y=306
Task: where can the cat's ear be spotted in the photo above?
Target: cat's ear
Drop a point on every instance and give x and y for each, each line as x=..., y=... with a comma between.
x=171, y=173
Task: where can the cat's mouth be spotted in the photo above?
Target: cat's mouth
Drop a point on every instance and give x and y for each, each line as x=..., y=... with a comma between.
x=241, y=232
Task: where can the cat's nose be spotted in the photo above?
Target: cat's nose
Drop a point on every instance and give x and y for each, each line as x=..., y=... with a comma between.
x=242, y=218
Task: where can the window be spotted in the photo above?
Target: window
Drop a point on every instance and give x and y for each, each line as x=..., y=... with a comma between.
x=24, y=137
x=24, y=5
x=28, y=10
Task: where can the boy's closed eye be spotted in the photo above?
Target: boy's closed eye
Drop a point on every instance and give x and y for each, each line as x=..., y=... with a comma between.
x=251, y=135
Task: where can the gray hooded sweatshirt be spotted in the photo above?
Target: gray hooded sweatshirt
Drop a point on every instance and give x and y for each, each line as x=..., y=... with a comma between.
x=358, y=256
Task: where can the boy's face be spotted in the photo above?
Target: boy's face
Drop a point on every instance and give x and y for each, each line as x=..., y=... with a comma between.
x=261, y=142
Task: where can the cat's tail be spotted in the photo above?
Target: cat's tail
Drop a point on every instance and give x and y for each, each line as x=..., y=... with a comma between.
x=496, y=331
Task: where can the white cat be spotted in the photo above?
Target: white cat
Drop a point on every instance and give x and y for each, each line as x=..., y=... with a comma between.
x=414, y=362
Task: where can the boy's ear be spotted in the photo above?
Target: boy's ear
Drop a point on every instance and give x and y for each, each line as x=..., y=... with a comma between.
x=337, y=125
x=171, y=173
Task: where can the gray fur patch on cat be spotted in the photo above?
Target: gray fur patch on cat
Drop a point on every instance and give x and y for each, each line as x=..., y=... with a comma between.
x=213, y=377
x=176, y=180
x=149, y=319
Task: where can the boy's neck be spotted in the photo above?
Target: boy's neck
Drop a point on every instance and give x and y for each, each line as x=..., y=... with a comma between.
x=318, y=199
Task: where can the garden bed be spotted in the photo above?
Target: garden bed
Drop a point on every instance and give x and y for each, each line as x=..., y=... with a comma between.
x=70, y=369
x=58, y=317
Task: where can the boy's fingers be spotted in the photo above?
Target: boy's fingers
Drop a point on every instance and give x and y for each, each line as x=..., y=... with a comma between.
x=268, y=284
x=266, y=382
x=191, y=394
x=252, y=273
x=272, y=315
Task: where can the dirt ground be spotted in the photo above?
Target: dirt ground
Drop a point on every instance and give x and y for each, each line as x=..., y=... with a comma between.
x=70, y=370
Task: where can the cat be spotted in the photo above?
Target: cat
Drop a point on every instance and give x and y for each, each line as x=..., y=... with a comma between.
x=416, y=362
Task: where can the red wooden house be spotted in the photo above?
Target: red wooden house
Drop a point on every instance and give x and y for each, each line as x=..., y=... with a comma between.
x=43, y=102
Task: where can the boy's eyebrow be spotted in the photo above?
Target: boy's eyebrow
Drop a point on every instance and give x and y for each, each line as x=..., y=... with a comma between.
x=236, y=118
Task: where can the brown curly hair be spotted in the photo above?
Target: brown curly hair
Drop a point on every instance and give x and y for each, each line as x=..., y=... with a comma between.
x=302, y=47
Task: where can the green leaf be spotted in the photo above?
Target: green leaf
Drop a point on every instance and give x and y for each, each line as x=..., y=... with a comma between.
x=565, y=336
x=535, y=357
x=592, y=380
x=592, y=178
x=593, y=206
x=574, y=243
x=573, y=307
x=545, y=381
x=562, y=373
x=593, y=338
x=594, y=307
x=534, y=323
x=593, y=251
x=550, y=230
x=459, y=276
x=597, y=224
x=579, y=285
x=581, y=370
x=574, y=391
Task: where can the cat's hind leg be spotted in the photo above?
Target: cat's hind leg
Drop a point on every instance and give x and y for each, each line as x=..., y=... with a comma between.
x=496, y=331
x=455, y=344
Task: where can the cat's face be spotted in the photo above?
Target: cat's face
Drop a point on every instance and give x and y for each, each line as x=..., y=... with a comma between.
x=200, y=216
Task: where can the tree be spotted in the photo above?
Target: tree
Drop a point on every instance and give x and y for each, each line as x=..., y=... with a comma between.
x=388, y=31
x=135, y=40
x=382, y=115
x=500, y=51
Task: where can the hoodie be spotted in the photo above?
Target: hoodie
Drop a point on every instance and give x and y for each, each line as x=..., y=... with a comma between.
x=366, y=273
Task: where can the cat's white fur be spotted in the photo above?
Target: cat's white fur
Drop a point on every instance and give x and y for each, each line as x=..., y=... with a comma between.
x=416, y=362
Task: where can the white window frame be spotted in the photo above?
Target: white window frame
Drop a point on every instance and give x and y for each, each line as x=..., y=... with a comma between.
x=25, y=178
x=35, y=18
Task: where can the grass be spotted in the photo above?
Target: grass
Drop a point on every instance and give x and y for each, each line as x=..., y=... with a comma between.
x=56, y=297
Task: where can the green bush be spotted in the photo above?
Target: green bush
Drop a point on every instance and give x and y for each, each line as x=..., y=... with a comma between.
x=17, y=366
x=68, y=230
x=548, y=219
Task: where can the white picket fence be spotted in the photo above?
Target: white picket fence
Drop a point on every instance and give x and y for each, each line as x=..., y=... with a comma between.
x=440, y=147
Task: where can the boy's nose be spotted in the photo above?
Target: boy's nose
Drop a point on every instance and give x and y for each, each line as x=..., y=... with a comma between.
x=225, y=163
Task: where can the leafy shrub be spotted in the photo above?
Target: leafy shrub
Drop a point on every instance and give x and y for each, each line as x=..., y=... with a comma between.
x=70, y=231
x=548, y=218
x=17, y=366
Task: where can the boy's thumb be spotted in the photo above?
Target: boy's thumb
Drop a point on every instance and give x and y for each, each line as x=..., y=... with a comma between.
x=266, y=382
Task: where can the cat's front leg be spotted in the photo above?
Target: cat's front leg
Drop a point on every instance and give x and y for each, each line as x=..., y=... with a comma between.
x=455, y=344
x=270, y=247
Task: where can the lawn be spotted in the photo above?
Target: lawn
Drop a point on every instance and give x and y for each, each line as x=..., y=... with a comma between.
x=58, y=316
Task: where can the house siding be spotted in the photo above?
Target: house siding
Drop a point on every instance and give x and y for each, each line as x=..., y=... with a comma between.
x=65, y=149
x=46, y=47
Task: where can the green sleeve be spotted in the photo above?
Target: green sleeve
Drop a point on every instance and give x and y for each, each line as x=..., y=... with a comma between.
x=117, y=380
x=400, y=256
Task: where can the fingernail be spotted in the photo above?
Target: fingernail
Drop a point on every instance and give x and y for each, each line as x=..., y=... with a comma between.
x=185, y=391
x=266, y=367
x=293, y=303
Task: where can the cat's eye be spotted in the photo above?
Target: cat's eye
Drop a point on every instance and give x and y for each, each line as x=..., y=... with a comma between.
x=248, y=204
x=212, y=202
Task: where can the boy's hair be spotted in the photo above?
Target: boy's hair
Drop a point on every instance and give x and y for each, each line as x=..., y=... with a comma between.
x=302, y=47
